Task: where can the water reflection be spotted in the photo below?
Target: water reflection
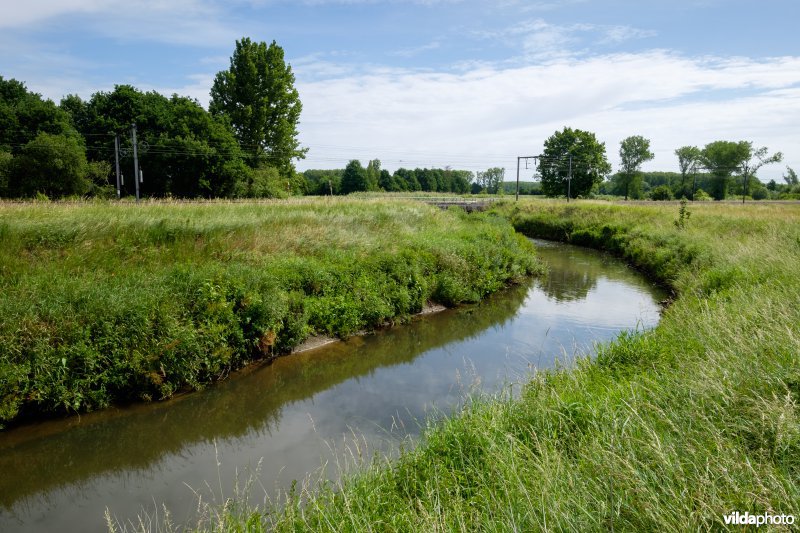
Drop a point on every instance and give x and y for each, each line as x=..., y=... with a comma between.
x=62, y=475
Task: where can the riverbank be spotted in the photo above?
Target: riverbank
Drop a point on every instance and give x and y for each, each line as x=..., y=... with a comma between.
x=674, y=428
x=105, y=302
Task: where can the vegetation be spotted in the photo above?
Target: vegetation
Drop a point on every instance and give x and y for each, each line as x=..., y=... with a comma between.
x=572, y=163
x=110, y=302
x=723, y=158
x=688, y=161
x=490, y=181
x=258, y=97
x=245, y=148
x=633, y=152
x=669, y=429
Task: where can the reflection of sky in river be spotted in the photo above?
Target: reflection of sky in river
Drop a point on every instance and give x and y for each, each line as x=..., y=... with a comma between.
x=291, y=415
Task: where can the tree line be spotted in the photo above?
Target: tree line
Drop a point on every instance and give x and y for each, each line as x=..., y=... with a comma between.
x=245, y=146
x=574, y=164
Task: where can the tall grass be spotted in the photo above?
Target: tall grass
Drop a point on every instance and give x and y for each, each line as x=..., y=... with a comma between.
x=668, y=429
x=104, y=302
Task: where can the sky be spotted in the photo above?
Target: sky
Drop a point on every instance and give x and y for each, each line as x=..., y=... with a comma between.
x=459, y=83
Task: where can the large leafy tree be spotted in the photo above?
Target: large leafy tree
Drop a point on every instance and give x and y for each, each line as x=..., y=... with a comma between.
x=688, y=161
x=756, y=158
x=183, y=150
x=491, y=180
x=23, y=115
x=722, y=159
x=51, y=164
x=40, y=150
x=354, y=178
x=257, y=95
x=575, y=153
x=633, y=152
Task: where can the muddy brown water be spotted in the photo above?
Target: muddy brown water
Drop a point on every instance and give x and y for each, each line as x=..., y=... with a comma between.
x=310, y=415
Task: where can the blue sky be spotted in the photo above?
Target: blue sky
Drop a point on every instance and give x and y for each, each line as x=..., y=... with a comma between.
x=448, y=82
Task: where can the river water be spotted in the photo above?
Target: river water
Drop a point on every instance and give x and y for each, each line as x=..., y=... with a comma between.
x=310, y=415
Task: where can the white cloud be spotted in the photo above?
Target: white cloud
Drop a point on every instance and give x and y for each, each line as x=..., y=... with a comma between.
x=195, y=22
x=537, y=39
x=485, y=116
x=416, y=50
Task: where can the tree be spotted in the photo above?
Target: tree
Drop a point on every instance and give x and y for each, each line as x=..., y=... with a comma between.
x=6, y=160
x=23, y=115
x=354, y=177
x=588, y=158
x=258, y=97
x=722, y=159
x=662, y=192
x=408, y=179
x=387, y=182
x=51, y=164
x=756, y=158
x=183, y=150
x=373, y=174
x=633, y=152
x=688, y=160
x=790, y=177
x=460, y=180
x=491, y=180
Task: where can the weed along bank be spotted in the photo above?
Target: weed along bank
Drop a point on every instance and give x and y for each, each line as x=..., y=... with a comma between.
x=107, y=303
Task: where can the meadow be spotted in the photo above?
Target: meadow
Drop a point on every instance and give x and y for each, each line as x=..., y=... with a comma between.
x=668, y=429
x=105, y=302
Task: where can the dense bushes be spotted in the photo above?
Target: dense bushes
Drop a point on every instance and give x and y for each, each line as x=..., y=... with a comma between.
x=103, y=302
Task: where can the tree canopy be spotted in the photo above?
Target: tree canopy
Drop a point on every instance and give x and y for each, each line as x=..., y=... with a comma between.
x=588, y=163
x=633, y=152
x=257, y=95
x=722, y=159
x=688, y=161
x=187, y=151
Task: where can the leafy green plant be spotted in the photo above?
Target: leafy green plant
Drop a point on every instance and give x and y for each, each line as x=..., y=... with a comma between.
x=683, y=215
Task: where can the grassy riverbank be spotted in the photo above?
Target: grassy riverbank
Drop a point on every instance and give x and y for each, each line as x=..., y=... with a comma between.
x=103, y=302
x=666, y=430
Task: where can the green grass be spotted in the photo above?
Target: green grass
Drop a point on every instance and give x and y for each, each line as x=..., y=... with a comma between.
x=664, y=430
x=108, y=302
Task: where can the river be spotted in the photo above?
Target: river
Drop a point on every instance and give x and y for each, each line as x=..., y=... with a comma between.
x=307, y=416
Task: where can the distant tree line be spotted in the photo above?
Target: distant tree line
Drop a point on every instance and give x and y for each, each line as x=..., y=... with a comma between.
x=243, y=146
x=355, y=177
x=574, y=163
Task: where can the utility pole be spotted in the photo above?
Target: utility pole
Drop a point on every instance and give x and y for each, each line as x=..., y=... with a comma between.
x=116, y=159
x=526, y=158
x=569, y=178
x=745, y=180
x=135, y=160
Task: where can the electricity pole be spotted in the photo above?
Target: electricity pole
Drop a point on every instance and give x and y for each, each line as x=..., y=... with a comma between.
x=569, y=178
x=116, y=159
x=525, y=157
x=135, y=160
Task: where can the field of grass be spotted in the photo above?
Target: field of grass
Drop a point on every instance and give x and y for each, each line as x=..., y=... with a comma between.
x=106, y=302
x=666, y=430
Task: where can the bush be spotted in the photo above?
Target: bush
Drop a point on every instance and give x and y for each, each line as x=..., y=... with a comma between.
x=701, y=196
x=660, y=193
x=51, y=164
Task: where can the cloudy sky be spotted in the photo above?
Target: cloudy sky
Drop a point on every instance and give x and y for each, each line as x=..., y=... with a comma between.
x=448, y=82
